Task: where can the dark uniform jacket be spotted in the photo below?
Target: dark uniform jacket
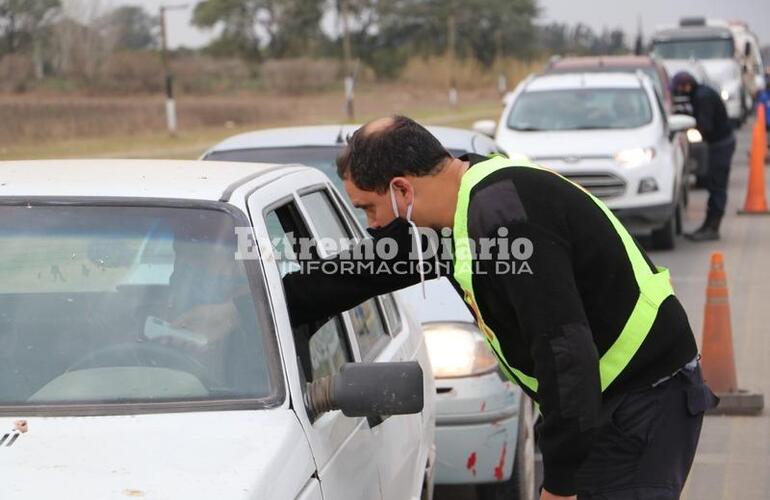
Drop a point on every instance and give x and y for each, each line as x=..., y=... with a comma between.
x=710, y=114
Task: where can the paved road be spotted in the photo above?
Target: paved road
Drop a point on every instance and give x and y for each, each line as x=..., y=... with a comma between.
x=733, y=460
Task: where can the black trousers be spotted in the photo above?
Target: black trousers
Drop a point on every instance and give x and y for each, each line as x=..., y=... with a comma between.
x=647, y=441
x=718, y=175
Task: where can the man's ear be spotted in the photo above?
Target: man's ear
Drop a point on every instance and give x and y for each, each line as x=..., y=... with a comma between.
x=401, y=185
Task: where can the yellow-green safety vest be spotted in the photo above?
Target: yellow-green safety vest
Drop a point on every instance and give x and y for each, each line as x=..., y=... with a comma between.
x=654, y=287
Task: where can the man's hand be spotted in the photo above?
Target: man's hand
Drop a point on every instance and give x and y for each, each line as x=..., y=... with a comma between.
x=213, y=321
x=546, y=495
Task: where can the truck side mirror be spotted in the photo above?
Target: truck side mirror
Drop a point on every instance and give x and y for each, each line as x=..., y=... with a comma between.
x=368, y=390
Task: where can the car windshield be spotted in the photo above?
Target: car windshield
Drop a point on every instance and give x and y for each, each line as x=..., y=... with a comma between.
x=710, y=48
x=321, y=157
x=107, y=305
x=580, y=109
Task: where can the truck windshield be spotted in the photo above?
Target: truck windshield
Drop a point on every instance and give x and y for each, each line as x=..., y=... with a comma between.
x=580, y=109
x=109, y=305
x=707, y=48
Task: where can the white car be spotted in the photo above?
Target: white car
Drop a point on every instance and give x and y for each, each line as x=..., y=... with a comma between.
x=609, y=133
x=110, y=270
x=484, y=427
x=484, y=423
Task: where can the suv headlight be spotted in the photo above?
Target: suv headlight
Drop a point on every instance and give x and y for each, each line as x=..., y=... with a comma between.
x=694, y=136
x=458, y=350
x=725, y=94
x=635, y=157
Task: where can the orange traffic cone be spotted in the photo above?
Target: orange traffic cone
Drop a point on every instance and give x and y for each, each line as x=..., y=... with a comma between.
x=762, y=127
x=718, y=358
x=717, y=350
x=756, y=202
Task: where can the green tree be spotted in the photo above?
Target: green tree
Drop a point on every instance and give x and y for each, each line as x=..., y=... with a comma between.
x=559, y=38
x=22, y=21
x=134, y=28
x=250, y=27
x=297, y=28
x=239, y=22
x=481, y=26
x=553, y=38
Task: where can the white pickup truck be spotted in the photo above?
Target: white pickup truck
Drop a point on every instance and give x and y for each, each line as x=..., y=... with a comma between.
x=140, y=358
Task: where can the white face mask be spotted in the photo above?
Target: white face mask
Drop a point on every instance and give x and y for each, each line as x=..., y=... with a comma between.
x=415, y=233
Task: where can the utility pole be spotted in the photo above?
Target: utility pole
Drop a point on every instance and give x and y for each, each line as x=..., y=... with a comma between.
x=451, y=48
x=171, y=121
x=347, y=55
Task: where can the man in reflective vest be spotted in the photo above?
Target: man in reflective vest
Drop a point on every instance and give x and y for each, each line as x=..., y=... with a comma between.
x=576, y=314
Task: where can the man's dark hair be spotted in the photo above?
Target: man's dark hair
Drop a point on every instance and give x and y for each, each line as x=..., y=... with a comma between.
x=372, y=158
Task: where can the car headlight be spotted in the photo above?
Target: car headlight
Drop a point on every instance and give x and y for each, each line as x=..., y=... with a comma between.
x=725, y=94
x=694, y=136
x=458, y=350
x=635, y=156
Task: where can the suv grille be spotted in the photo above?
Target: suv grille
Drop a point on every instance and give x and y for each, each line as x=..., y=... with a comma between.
x=600, y=185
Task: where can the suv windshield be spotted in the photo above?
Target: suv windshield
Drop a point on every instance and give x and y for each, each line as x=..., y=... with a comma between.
x=104, y=305
x=580, y=109
x=710, y=48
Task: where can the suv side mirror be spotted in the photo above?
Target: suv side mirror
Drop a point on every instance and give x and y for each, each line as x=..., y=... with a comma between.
x=368, y=390
x=677, y=123
x=485, y=127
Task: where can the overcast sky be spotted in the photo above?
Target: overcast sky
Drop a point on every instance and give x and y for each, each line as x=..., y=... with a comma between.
x=595, y=13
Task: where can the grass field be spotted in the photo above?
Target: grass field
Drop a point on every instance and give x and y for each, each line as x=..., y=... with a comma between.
x=37, y=127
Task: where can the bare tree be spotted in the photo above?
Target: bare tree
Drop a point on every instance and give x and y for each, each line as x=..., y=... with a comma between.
x=85, y=37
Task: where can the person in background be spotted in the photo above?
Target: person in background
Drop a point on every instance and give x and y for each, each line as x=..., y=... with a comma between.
x=713, y=124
